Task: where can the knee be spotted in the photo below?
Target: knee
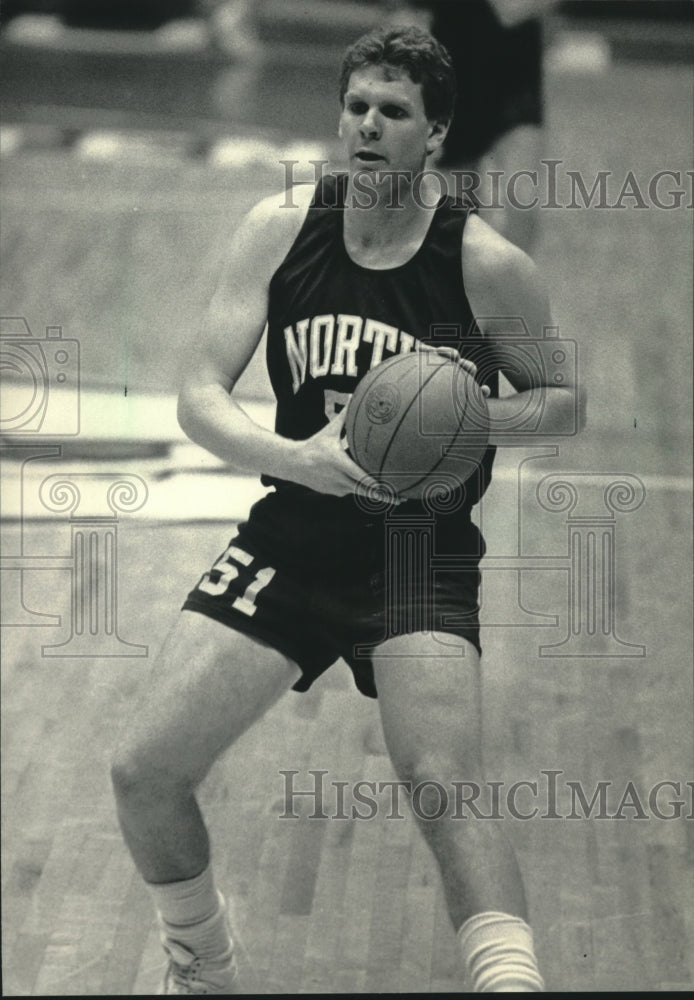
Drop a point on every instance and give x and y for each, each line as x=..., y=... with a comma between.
x=434, y=782
x=137, y=776
x=440, y=765
x=131, y=775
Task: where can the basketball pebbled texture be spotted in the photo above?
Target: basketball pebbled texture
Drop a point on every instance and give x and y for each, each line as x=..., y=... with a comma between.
x=416, y=418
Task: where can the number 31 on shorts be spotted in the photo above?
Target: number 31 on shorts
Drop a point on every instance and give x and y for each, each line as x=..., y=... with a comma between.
x=228, y=572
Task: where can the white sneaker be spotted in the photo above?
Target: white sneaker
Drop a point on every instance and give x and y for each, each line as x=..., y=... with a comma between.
x=188, y=974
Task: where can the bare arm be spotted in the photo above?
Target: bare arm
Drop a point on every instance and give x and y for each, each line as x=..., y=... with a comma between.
x=231, y=332
x=506, y=295
x=512, y=12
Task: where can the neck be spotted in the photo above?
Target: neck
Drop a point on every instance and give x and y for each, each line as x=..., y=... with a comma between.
x=383, y=212
x=383, y=227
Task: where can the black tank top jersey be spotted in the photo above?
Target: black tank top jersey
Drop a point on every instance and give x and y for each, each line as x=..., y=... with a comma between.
x=322, y=304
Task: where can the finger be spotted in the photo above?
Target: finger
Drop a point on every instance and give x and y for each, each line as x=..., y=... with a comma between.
x=445, y=352
x=486, y=391
x=468, y=365
x=348, y=466
x=448, y=352
x=454, y=355
x=335, y=425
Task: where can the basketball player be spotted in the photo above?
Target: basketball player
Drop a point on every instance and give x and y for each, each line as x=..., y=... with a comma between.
x=304, y=581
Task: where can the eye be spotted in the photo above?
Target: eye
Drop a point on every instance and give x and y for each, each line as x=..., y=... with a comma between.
x=393, y=111
x=357, y=107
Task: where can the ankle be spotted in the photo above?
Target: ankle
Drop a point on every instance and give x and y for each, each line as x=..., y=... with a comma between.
x=497, y=949
x=189, y=901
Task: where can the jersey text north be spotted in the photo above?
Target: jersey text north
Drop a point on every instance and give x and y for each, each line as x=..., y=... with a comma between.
x=328, y=345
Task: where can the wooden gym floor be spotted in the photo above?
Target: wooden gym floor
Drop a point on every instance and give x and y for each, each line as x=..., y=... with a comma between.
x=333, y=905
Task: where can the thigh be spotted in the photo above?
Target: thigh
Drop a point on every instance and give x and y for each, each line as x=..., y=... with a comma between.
x=416, y=599
x=207, y=686
x=273, y=602
x=429, y=696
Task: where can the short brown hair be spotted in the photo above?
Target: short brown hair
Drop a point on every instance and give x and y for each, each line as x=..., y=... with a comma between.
x=413, y=50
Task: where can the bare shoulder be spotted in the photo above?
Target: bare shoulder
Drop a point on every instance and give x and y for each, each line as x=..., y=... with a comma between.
x=283, y=209
x=489, y=256
x=496, y=271
x=258, y=246
x=237, y=311
x=268, y=230
x=501, y=281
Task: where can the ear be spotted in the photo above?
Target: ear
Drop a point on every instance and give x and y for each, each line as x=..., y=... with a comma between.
x=437, y=133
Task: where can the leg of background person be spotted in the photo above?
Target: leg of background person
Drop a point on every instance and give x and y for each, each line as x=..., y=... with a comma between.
x=520, y=149
x=208, y=686
x=430, y=707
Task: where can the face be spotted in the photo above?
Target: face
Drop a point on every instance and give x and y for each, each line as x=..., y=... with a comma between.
x=384, y=124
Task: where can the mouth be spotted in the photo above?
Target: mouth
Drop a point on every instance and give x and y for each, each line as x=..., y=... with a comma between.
x=368, y=156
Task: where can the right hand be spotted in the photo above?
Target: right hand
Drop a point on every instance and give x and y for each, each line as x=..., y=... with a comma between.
x=321, y=462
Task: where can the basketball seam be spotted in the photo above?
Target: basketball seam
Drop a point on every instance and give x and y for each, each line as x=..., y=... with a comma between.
x=457, y=431
x=357, y=457
x=407, y=410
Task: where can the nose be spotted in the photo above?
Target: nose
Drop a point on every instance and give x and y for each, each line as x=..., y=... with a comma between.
x=369, y=125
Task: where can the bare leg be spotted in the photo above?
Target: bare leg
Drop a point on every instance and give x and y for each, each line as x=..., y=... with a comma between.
x=431, y=720
x=208, y=686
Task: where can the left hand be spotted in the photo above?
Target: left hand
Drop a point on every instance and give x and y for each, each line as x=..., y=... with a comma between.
x=455, y=355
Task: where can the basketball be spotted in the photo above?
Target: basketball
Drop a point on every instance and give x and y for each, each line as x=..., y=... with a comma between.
x=418, y=421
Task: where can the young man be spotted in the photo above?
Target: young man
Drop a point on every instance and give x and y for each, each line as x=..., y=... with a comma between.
x=304, y=583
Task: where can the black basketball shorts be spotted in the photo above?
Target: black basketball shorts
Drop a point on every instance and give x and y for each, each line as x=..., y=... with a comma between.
x=317, y=620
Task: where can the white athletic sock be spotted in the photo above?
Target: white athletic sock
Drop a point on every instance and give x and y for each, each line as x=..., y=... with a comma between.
x=497, y=949
x=193, y=913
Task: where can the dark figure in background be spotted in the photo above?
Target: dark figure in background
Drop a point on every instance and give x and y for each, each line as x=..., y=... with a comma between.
x=136, y=15
x=496, y=47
